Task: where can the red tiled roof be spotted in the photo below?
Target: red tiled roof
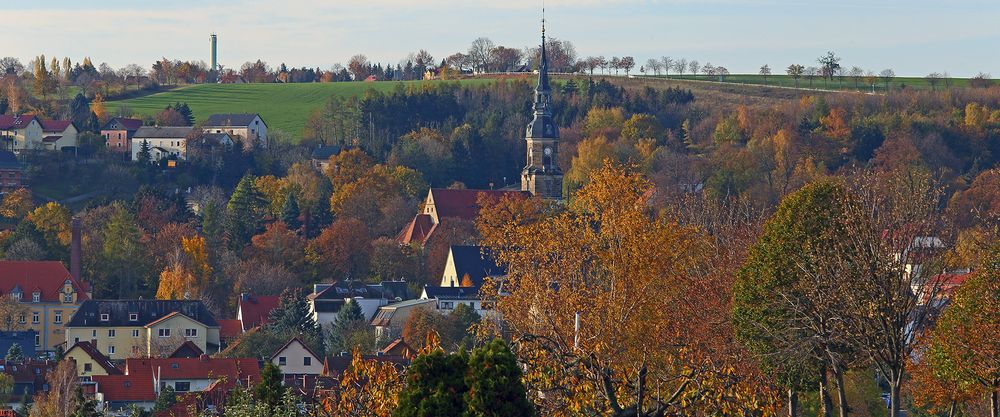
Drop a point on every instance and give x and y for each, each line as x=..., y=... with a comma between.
x=463, y=203
x=50, y=139
x=187, y=350
x=301, y=343
x=419, y=229
x=230, y=329
x=46, y=276
x=16, y=122
x=233, y=369
x=255, y=309
x=54, y=125
x=129, y=124
x=137, y=385
x=97, y=356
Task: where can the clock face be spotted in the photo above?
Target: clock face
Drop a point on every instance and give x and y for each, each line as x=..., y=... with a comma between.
x=548, y=151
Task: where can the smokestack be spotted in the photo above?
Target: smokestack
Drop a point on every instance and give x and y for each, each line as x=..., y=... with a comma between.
x=74, y=249
x=215, y=62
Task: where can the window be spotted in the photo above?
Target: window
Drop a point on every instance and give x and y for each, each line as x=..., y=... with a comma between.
x=111, y=350
x=38, y=340
x=163, y=332
x=36, y=297
x=58, y=319
x=34, y=318
x=20, y=318
x=105, y=317
x=93, y=334
x=282, y=361
x=128, y=384
x=447, y=305
x=135, y=333
x=17, y=295
x=112, y=333
x=182, y=386
x=190, y=332
x=68, y=298
x=133, y=317
x=307, y=361
x=87, y=367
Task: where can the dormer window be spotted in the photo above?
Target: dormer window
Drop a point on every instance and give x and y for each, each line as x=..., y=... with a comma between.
x=105, y=317
x=36, y=297
x=133, y=317
x=68, y=298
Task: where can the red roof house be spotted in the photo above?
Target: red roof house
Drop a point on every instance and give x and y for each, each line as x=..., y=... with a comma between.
x=48, y=278
x=445, y=203
x=254, y=310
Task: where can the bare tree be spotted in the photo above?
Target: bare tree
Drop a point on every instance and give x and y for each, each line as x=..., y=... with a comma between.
x=829, y=64
x=887, y=75
x=668, y=64
x=627, y=63
x=654, y=65
x=479, y=53
x=616, y=64
x=602, y=63
x=133, y=71
x=358, y=66
x=871, y=79
x=680, y=66
x=795, y=71
x=694, y=67
x=707, y=69
x=765, y=71
x=11, y=66
x=933, y=79
x=811, y=73
x=857, y=74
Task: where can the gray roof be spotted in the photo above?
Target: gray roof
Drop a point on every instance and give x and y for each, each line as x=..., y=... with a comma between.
x=148, y=311
x=231, y=120
x=452, y=293
x=162, y=132
x=9, y=161
x=477, y=262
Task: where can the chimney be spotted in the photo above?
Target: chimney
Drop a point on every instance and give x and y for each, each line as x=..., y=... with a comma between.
x=74, y=250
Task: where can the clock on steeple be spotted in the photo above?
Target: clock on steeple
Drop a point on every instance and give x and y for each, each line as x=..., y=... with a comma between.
x=541, y=175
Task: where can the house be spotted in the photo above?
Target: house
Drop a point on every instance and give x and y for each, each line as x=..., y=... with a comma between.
x=327, y=299
x=28, y=378
x=117, y=392
x=389, y=320
x=124, y=328
x=20, y=132
x=229, y=330
x=247, y=127
x=58, y=134
x=118, y=133
x=335, y=365
x=163, y=142
x=254, y=310
x=321, y=155
x=295, y=358
x=400, y=348
x=196, y=374
x=11, y=172
x=51, y=294
x=469, y=266
x=187, y=350
x=447, y=298
x=90, y=361
x=443, y=204
x=24, y=339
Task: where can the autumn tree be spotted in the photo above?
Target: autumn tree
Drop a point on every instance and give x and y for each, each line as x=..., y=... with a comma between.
x=190, y=277
x=368, y=388
x=16, y=204
x=58, y=400
x=11, y=312
x=342, y=250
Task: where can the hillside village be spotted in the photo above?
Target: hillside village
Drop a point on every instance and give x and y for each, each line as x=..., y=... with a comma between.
x=504, y=233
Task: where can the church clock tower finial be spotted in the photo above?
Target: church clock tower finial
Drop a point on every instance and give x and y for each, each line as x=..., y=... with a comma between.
x=541, y=175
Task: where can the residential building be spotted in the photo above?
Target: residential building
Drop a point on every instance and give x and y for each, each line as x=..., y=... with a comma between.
x=444, y=204
x=58, y=134
x=25, y=339
x=90, y=361
x=229, y=330
x=117, y=392
x=254, y=310
x=469, y=266
x=327, y=299
x=335, y=365
x=118, y=133
x=51, y=294
x=398, y=347
x=164, y=142
x=447, y=298
x=246, y=127
x=149, y=328
x=20, y=132
x=187, y=350
x=321, y=155
x=11, y=172
x=196, y=374
x=295, y=358
x=28, y=378
x=389, y=320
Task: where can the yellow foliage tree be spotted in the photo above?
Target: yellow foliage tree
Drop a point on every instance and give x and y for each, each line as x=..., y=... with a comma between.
x=16, y=204
x=368, y=388
x=976, y=115
x=607, y=121
x=98, y=108
x=188, y=277
x=590, y=154
x=52, y=219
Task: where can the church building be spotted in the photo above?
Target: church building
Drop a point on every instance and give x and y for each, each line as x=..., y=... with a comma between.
x=541, y=175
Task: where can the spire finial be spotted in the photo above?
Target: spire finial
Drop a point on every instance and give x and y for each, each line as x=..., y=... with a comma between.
x=543, y=21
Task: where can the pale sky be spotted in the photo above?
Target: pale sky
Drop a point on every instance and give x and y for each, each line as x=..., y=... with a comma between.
x=913, y=37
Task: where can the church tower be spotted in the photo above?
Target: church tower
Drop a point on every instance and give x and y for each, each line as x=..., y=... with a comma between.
x=541, y=175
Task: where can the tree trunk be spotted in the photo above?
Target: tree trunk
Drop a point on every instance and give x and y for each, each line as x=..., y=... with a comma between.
x=793, y=403
x=826, y=404
x=951, y=410
x=993, y=403
x=894, y=397
x=841, y=394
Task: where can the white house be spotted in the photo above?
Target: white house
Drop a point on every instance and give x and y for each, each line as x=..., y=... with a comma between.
x=389, y=320
x=327, y=299
x=163, y=142
x=248, y=127
x=20, y=132
x=58, y=134
x=295, y=358
x=469, y=262
x=447, y=298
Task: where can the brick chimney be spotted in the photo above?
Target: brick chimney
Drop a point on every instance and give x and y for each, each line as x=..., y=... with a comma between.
x=74, y=249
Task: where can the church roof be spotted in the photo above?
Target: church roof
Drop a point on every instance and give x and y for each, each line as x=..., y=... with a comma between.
x=418, y=230
x=464, y=204
x=542, y=126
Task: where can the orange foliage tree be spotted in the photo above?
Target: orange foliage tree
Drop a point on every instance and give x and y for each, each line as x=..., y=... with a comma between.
x=190, y=276
x=601, y=262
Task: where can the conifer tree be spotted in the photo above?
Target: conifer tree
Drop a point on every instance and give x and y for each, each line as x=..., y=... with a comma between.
x=243, y=213
x=15, y=354
x=84, y=407
x=290, y=213
x=145, y=155
x=494, y=381
x=350, y=319
x=435, y=386
x=270, y=390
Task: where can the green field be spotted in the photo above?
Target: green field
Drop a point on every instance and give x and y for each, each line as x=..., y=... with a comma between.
x=285, y=107
x=847, y=83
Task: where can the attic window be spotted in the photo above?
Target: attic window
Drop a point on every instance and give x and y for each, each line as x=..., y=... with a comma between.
x=36, y=297
x=128, y=384
x=174, y=365
x=105, y=317
x=133, y=317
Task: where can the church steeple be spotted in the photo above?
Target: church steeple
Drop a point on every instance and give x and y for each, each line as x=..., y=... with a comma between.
x=541, y=175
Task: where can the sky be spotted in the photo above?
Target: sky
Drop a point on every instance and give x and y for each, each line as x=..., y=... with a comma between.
x=912, y=37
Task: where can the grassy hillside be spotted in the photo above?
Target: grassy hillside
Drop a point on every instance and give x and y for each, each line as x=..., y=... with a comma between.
x=847, y=83
x=285, y=107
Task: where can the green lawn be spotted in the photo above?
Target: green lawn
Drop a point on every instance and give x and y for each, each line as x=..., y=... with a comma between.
x=847, y=83
x=285, y=107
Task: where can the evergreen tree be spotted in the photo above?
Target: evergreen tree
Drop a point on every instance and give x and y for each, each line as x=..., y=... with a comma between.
x=166, y=399
x=270, y=390
x=84, y=407
x=25, y=407
x=93, y=124
x=494, y=381
x=145, y=155
x=243, y=213
x=212, y=224
x=15, y=354
x=293, y=314
x=350, y=320
x=435, y=386
x=290, y=212
x=185, y=111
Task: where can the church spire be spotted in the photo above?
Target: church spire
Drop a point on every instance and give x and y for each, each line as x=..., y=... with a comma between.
x=543, y=66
